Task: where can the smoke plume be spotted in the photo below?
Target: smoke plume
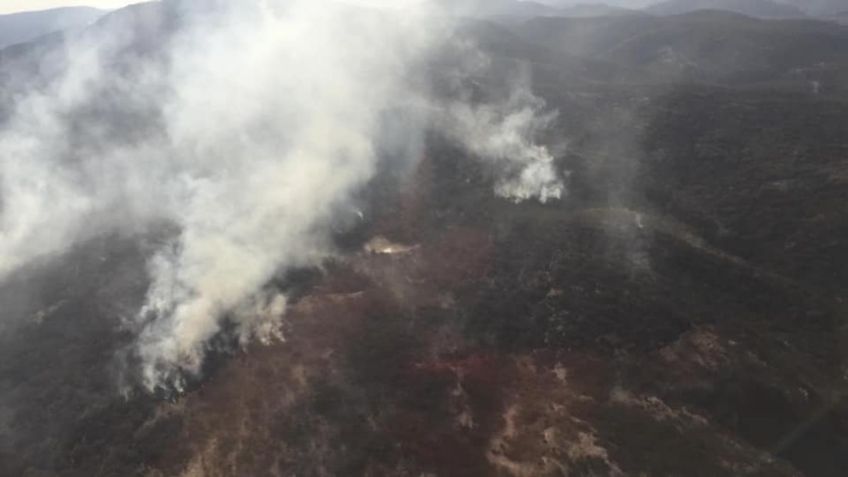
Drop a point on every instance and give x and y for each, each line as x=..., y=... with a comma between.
x=247, y=131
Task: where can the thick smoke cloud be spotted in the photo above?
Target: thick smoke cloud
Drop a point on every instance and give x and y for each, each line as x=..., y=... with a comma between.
x=249, y=138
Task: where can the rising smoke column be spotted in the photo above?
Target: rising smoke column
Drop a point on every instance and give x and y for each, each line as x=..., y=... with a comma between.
x=249, y=135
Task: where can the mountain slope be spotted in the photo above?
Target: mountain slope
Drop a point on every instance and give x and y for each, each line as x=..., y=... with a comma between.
x=681, y=312
x=841, y=18
x=23, y=27
x=593, y=10
x=497, y=8
x=754, y=8
x=819, y=7
x=703, y=46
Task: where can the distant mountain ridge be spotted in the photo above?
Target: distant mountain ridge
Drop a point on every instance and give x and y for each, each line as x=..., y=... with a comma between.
x=841, y=18
x=753, y=8
x=26, y=26
x=819, y=7
x=716, y=47
x=594, y=10
x=529, y=8
x=496, y=7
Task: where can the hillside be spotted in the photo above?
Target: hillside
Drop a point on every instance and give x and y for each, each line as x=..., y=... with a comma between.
x=819, y=7
x=754, y=8
x=23, y=27
x=593, y=10
x=680, y=312
x=841, y=18
x=498, y=8
x=707, y=47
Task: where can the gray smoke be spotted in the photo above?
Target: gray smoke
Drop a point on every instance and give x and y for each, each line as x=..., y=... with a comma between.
x=249, y=137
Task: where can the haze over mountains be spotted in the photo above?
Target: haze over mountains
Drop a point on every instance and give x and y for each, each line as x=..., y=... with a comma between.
x=244, y=238
x=23, y=27
x=755, y=8
x=820, y=7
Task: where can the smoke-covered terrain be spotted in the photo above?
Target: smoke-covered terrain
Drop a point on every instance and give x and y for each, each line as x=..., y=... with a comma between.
x=248, y=238
x=23, y=27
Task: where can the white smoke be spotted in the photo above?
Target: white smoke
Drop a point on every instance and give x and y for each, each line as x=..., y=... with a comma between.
x=250, y=136
x=503, y=134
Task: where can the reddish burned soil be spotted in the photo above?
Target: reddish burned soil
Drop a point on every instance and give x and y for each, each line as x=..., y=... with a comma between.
x=680, y=316
x=519, y=340
x=520, y=349
x=681, y=313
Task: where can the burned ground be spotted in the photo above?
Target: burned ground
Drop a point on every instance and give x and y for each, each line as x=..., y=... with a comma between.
x=679, y=313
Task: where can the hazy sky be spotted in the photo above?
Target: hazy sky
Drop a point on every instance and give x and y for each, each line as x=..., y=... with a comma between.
x=621, y=3
x=11, y=6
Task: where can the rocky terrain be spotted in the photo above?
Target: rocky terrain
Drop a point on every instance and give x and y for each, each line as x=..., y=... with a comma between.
x=680, y=312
